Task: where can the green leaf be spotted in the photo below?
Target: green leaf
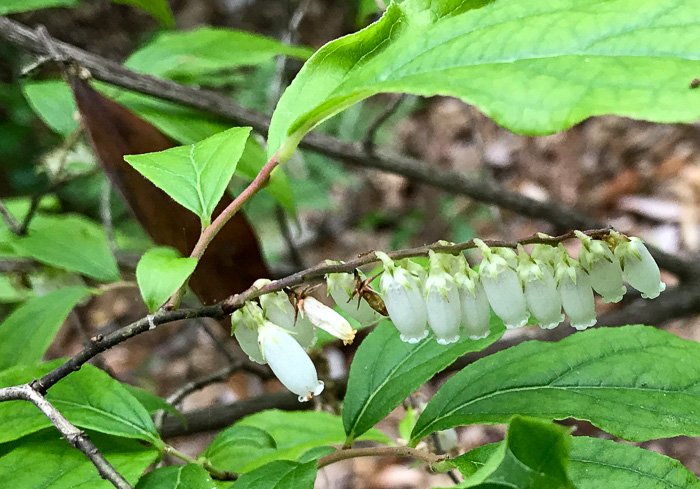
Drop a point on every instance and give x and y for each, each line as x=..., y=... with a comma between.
x=190, y=476
x=15, y=6
x=533, y=456
x=54, y=104
x=635, y=382
x=70, y=242
x=386, y=370
x=12, y=291
x=600, y=464
x=533, y=68
x=297, y=432
x=238, y=446
x=46, y=460
x=190, y=54
x=89, y=398
x=280, y=474
x=159, y=9
x=160, y=273
x=195, y=176
x=29, y=330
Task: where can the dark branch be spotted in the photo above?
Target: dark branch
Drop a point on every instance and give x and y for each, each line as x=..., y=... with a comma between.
x=381, y=159
x=72, y=434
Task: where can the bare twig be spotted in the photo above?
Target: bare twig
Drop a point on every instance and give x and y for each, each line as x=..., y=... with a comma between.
x=368, y=141
x=72, y=434
x=294, y=255
x=101, y=343
x=345, y=454
x=382, y=159
x=220, y=376
x=9, y=219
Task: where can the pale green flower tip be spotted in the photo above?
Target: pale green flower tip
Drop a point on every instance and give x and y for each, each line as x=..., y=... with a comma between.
x=654, y=294
x=447, y=341
x=518, y=323
x=414, y=339
x=476, y=337
x=584, y=324
x=614, y=298
x=544, y=236
x=552, y=324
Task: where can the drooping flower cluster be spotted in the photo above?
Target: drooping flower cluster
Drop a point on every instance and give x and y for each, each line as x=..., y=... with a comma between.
x=447, y=297
x=278, y=330
x=452, y=299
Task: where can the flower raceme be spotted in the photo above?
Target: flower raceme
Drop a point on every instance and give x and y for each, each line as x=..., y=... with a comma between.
x=447, y=298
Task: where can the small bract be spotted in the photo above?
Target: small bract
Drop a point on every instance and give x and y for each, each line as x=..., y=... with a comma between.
x=639, y=267
x=502, y=285
x=442, y=301
x=403, y=298
x=289, y=362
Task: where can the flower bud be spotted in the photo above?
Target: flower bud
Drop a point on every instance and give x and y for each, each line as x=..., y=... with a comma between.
x=502, y=285
x=576, y=292
x=638, y=266
x=541, y=293
x=603, y=268
x=404, y=300
x=245, y=323
x=340, y=287
x=327, y=319
x=277, y=308
x=289, y=362
x=442, y=301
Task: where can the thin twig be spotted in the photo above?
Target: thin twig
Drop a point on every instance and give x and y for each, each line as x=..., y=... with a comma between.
x=345, y=454
x=59, y=180
x=382, y=159
x=9, y=219
x=106, y=215
x=73, y=435
x=294, y=255
x=101, y=343
x=368, y=141
x=213, y=229
x=227, y=306
x=220, y=376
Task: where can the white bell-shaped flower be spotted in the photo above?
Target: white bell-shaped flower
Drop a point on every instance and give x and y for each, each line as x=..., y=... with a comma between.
x=340, y=287
x=541, y=294
x=277, y=308
x=576, y=292
x=289, y=362
x=403, y=297
x=603, y=268
x=442, y=301
x=502, y=285
x=327, y=319
x=245, y=323
x=639, y=267
x=474, y=305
